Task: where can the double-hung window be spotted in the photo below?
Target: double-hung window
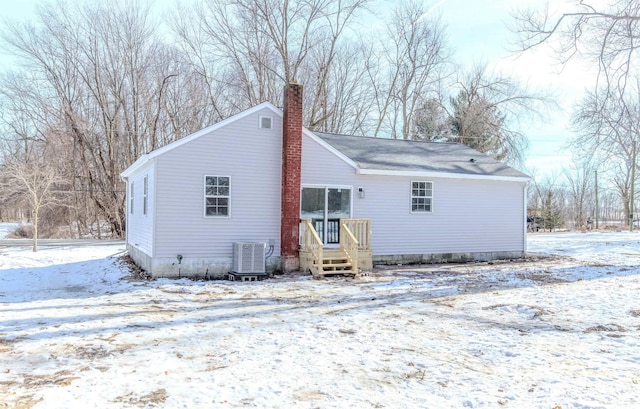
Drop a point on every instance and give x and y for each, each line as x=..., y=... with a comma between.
x=216, y=195
x=421, y=196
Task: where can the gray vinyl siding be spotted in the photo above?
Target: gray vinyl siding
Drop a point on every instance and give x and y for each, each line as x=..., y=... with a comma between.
x=139, y=225
x=251, y=157
x=469, y=216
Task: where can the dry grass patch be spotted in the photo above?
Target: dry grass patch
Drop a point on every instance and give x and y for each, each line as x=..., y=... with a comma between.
x=60, y=378
x=156, y=397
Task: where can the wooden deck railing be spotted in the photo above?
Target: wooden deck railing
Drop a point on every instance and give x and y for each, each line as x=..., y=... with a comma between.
x=312, y=245
x=349, y=244
x=355, y=237
x=361, y=230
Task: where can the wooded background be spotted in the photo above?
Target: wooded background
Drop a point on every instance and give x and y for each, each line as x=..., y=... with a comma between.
x=96, y=85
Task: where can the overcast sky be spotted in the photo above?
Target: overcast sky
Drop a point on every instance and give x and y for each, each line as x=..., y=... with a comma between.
x=478, y=33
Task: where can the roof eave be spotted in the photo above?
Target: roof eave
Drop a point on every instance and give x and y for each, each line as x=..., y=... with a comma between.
x=330, y=148
x=142, y=160
x=448, y=175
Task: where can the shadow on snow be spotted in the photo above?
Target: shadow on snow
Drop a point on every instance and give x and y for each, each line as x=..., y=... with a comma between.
x=162, y=304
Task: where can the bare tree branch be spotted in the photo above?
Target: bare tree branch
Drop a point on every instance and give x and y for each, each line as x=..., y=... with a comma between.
x=603, y=33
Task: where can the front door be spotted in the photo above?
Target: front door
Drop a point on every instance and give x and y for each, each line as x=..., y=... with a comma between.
x=325, y=206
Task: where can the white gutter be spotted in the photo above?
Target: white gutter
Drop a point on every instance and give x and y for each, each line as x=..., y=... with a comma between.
x=448, y=175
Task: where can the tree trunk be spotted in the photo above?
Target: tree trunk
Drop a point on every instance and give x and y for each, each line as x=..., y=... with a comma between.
x=35, y=229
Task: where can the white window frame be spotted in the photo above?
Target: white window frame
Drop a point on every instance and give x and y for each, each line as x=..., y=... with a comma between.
x=206, y=196
x=131, y=197
x=326, y=187
x=428, y=186
x=145, y=195
x=270, y=118
x=326, y=204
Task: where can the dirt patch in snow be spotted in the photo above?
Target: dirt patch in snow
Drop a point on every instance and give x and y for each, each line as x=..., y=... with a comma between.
x=156, y=397
x=606, y=328
x=20, y=402
x=31, y=382
x=546, y=277
x=5, y=345
x=60, y=378
x=89, y=352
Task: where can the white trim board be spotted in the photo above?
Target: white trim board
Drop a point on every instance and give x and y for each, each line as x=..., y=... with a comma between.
x=444, y=175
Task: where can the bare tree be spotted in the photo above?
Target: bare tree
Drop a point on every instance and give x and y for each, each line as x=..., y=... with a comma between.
x=580, y=178
x=245, y=50
x=610, y=127
x=415, y=59
x=95, y=77
x=605, y=33
x=345, y=103
x=32, y=183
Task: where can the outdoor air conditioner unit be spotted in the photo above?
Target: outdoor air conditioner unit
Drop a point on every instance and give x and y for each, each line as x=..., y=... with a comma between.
x=249, y=258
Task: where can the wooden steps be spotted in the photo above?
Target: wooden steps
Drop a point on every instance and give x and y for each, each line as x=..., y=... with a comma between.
x=334, y=262
x=351, y=258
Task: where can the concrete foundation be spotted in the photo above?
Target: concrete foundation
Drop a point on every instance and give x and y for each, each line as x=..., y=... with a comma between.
x=142, y=259
x=209, y=268
x=199, y=268
x=445, y=257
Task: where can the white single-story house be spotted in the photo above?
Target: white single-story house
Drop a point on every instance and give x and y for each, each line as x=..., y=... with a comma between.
x=261, y=177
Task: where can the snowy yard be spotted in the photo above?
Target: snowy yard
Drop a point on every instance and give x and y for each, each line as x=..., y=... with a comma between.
x=560, y=329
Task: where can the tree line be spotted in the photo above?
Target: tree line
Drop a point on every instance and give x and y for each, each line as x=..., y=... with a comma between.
x=94, y=86
x=601, y=35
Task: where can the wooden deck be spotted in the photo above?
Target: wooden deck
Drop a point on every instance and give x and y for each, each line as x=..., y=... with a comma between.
x=353, y=256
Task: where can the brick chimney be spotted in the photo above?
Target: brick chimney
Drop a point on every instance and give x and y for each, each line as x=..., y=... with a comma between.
x=291, y=177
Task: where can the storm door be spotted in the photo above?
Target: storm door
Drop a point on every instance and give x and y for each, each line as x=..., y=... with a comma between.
x=325, y=206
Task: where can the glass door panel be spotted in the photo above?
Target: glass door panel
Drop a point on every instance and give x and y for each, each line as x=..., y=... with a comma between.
x=325, y=207
x=338, y=207
x=313, y=205
x=339, y=203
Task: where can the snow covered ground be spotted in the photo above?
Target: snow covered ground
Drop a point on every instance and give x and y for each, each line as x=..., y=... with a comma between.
x=560, y=329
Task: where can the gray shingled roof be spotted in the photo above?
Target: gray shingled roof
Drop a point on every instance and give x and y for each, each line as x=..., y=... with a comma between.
x=401, y=155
